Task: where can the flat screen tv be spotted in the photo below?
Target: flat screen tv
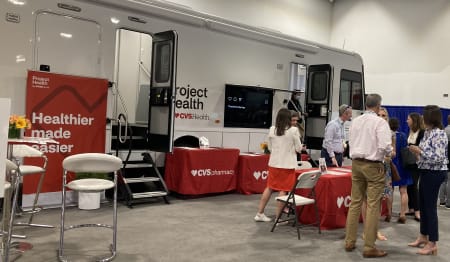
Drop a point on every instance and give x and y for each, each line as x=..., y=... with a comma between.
x=248, y=106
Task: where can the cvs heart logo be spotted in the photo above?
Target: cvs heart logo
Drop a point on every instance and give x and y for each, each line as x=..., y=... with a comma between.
x=343, y=201
x=194, y=172
x=340, y=200
x=257, y=174
x=264, y=174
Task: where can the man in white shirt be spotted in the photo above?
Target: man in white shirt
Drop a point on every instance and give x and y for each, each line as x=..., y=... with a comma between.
x=370, y=141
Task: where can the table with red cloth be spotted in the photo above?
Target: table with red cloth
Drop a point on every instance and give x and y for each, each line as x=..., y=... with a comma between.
x=252, y=174
x=195, y=171
x=333, y=192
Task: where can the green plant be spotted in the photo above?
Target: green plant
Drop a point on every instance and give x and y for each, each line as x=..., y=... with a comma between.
x=92, y=175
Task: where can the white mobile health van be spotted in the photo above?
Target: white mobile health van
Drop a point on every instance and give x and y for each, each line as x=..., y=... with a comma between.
x=175, y=71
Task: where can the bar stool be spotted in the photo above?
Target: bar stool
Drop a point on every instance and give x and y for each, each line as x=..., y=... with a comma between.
x=94, y=163
x=9, y=207
x=26, y=151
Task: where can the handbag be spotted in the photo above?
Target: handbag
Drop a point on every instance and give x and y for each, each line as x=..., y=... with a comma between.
x=408, y=159
x=394, y=172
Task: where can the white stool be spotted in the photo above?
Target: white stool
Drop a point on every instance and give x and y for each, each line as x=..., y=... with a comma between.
x=95, y=163
x=26, y=151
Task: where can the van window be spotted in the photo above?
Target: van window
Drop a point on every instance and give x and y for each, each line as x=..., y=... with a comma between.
x=319, y=89
x=351, y=92
x=68, y=45
x=163, y=62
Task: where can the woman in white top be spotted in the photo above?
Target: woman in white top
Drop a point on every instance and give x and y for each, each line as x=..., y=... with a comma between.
x=416, y=132
x=284, y=143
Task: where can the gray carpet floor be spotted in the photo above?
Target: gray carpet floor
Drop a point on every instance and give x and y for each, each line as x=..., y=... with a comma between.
x=214, y=228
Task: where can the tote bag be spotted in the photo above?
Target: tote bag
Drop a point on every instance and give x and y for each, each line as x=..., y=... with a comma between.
x=408, y=159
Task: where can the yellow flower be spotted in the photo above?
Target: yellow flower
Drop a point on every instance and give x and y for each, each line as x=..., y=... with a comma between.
x=19, y=122
x=263, y=146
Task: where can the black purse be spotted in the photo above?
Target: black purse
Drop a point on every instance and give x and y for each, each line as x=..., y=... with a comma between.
x=408, y=159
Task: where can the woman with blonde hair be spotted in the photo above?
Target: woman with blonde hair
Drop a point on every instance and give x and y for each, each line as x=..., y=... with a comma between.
x=387, y=195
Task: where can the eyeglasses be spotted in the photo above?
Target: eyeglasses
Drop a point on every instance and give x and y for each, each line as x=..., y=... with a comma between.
x=382, y=115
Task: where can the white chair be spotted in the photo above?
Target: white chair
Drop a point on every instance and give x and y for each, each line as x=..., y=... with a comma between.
x=84, y=163
x=306, y=180
x=303, y=165
x=20, y=152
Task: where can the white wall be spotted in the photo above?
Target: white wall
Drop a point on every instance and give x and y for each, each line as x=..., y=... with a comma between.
x=404, y=44
x=307, y=19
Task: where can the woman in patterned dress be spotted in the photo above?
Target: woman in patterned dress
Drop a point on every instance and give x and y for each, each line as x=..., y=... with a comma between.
x=432, y=163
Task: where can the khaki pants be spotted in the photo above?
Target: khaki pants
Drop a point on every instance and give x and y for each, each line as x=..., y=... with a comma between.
x=367, y=180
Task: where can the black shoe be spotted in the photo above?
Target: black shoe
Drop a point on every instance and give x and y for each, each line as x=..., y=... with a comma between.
x=409, y=213
x=417, y=219
x=442, y=204
x=447, y=207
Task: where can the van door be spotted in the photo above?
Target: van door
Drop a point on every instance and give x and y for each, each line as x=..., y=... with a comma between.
x=318, y=92
x=162, y=91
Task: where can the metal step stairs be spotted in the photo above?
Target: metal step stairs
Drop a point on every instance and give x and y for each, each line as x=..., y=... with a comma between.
x=142, y=181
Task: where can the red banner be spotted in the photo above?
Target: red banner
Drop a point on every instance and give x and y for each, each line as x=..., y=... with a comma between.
x=70, y=110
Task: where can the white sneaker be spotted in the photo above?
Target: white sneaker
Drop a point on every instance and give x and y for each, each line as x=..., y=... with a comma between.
x=262, y=218
x=284, y=223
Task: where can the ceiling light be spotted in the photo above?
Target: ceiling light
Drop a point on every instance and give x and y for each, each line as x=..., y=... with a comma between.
x=17, y=2
x=114, y=20
x=65, y=35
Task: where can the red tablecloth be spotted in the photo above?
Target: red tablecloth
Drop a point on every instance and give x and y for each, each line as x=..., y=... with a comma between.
x=252, y=174
x=194, y=171
x=333, y=198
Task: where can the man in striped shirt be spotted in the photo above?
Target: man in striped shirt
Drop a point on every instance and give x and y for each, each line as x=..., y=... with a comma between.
x=333, y=141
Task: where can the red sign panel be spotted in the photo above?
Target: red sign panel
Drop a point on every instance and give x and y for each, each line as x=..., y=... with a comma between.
x=70, y=110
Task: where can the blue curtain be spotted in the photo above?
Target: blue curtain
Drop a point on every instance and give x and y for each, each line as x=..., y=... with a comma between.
x=402, y=112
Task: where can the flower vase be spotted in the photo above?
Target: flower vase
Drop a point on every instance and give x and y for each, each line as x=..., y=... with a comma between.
x=14, y=132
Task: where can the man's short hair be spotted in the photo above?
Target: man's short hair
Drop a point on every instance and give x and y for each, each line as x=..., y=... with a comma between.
x=343, y=108
x=373, y=100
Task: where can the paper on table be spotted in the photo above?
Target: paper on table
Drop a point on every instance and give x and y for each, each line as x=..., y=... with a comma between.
x=249, y=154
x=342, y=169
x=332, y=172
